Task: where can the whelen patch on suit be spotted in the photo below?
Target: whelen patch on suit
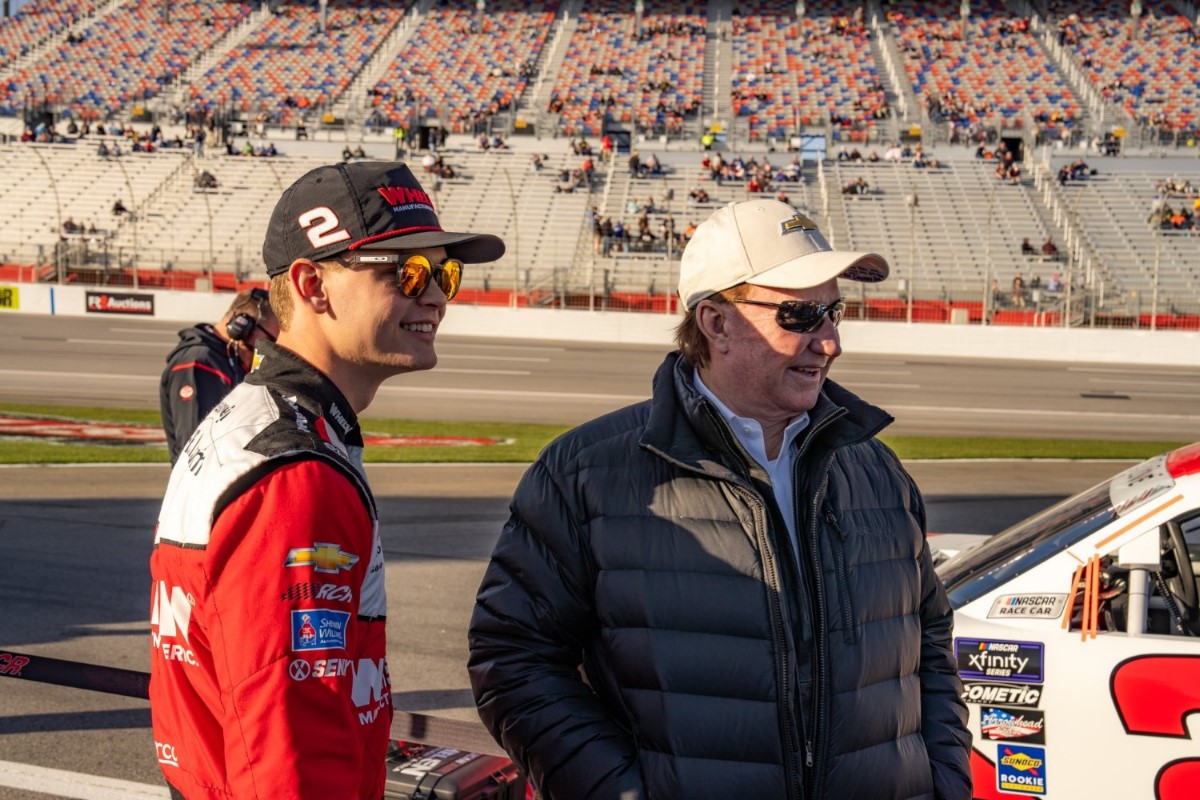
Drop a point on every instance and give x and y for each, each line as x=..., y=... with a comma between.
x=73, y=430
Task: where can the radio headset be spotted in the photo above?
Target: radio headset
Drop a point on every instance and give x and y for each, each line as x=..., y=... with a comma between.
x=243, y=324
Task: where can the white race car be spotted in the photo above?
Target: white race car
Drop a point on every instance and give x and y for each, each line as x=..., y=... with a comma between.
x=1077, y=635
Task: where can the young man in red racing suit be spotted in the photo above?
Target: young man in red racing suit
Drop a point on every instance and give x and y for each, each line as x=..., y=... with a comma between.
x=269, y=663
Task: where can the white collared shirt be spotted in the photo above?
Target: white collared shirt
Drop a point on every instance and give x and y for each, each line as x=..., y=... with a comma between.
x=749, y=432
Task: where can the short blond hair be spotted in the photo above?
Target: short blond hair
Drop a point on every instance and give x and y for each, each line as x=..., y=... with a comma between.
x=281, y=294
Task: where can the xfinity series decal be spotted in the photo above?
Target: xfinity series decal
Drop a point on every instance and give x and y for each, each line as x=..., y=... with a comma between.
x=319, y=629
x=1012, y=724
x=1009, y=694
x=983, y=659
x=1036, y=606
x=1021, y=769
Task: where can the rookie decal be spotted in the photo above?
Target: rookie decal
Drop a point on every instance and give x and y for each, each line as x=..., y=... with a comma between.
x=1021, y=769
x=120, y=303
x=1009, y=694
x=322, y=557
x=319, y=629
x=1013, y=724
x=1035, y=606
x=10, y=297
x=984, y=659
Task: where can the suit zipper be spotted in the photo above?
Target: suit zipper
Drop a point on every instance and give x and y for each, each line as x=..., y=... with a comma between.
x=813, y=567
x=818, y=704
x=782, y=664
x=839, y=553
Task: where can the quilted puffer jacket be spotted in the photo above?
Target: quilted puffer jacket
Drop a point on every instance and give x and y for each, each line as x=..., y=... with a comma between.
x=645, y=631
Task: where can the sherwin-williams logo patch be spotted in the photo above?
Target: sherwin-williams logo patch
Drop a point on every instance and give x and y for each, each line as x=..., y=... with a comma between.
x=319, y=629
x=1021, y=769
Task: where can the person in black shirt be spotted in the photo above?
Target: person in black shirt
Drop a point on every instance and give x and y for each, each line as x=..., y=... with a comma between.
x=209, y=361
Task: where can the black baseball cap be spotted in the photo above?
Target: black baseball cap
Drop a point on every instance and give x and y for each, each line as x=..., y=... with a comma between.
x=364, y=205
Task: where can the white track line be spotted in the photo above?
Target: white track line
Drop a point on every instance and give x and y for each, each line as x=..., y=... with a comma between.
x=61, y=783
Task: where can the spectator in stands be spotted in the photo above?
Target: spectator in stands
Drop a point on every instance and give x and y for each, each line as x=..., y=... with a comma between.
x=118, y=208
x=1027, y=248
x=1049, y=248
x=606, y=235
x=102, y=149
x=619, y=236
x=856, y=186
x=1055, y=282
x=204, y=180
x=698, y=195
x=209, y=361
x=70, y=226
x=893, y=153
x=635, y=165
x=536, y=162
x=652, y=165
x=1018, y=291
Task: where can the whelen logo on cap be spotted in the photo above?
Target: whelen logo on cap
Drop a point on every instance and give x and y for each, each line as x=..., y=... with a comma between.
x=798, y=222
x=404, y=197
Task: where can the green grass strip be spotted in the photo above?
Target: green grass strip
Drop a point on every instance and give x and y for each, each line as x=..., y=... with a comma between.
x=519, y=442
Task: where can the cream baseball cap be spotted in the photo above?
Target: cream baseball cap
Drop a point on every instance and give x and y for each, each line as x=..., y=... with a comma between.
x=765, y=242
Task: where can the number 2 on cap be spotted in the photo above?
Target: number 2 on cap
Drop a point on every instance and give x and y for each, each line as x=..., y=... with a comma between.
x=322, y=233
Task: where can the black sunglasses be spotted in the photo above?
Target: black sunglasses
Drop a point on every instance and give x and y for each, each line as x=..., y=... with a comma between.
x=413, y=272
x=802, y=316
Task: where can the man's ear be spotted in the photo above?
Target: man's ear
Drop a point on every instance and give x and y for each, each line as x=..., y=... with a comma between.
x=712, y=318
x=307, y=279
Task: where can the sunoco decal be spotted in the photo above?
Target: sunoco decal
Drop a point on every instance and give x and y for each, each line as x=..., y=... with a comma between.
x=1021, y=769
x=1008, y=724
x=983, y=659
x=1035, y=606
x=120, y=303
x=1008, y=694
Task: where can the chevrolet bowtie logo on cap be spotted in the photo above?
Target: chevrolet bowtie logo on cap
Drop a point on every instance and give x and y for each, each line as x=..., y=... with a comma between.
x=798, y=222
x=322, y=557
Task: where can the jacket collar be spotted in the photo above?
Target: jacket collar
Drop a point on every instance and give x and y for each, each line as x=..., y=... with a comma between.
x=306, y=387
x=685, y=427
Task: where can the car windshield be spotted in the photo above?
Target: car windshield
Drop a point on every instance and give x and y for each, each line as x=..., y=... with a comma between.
x=976, y=572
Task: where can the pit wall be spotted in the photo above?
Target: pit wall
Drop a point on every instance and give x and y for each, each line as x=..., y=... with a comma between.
x=1095, y=346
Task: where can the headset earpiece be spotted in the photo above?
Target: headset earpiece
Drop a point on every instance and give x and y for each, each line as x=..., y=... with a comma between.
x=240, y=327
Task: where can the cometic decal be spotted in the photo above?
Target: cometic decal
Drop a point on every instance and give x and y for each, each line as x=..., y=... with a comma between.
x=984, y=659
x=1008, y=694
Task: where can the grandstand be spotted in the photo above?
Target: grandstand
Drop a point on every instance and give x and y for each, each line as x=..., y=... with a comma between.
x=769, y=81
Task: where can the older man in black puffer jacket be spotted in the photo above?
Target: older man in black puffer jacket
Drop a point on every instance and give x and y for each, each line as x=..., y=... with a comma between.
x=725, y=591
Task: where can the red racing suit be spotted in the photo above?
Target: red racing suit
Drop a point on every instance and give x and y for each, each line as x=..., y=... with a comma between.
x=269, y=665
